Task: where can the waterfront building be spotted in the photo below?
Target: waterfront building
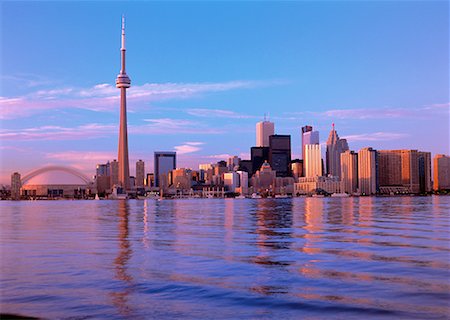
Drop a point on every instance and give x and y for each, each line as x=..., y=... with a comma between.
x=231, y=181
x=182, y=179
x=349, y=172
x=308, y=137
x=425, y=184
x=280, y=154
x=441, y=168
x=317, y=184
x=313, y=161
x=335, y=147
x=114, y=178
x=264, y=179
x=123, y=83
x=264, y=130
x=297, y=169
x=164, y=162
x=243, y=183
x=140, y=173
x=16, y=184
x=258, y=156
x=367, y=171
x=150, y=180
x=398, y=171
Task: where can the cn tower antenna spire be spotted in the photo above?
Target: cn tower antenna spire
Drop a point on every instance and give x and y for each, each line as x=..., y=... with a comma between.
x=123, y=83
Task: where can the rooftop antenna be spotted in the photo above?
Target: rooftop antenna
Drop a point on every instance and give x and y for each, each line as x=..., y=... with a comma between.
x=332, y=125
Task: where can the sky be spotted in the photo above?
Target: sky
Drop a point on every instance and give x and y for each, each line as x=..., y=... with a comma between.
x=203, y=73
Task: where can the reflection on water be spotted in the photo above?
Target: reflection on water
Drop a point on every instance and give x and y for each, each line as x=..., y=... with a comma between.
x=313, y=258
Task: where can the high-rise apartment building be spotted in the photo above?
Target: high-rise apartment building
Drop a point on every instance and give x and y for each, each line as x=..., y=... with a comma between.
x=398, y=171
x=441, y=168
x=349, y=171
x=335, y=146
x=424, y=171
x=16, y=184
x=313, y=161
x=308, y=137
x=367, y=171
x=280, y=154
x=140, y=173
x=114, y=177
x=164, y=163
x=264, y=130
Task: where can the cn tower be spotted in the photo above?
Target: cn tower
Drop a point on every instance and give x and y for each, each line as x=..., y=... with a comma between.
x=123, y=82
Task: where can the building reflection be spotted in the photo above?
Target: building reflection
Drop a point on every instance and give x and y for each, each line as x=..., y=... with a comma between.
x=229, y=229
x=120, y=297
x=313, y=226
x=274, y=231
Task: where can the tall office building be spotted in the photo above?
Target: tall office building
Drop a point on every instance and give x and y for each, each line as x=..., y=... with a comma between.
x=140, y=173
x=103, y=170
x=297, y=169
x=424, y=159
x=441, y=168
x=280, y=154
x=367, y=171
x=313, y=161
x=349, y=171
x=164, y=163
x=16, y=184
x=309, y=137
x=335, y=146
x=114, y=171
x=398, y=171
x=123, y=82
x=258, y=156
x=264, y=130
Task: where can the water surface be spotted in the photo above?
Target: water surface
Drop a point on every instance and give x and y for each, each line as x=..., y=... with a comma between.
x=310, y=258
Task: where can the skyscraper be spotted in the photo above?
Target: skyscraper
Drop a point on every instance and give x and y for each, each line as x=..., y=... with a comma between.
x=114, y=167
x=349, y=171
x=258, y=155
x=164, y=163
x=335, y=146
x=140, y=173
x=309, y=137
x=441, y=164
x=16, y=184
x=313, y=161
x=264, y=130
x=398, y=171
x=424, y=171
x=280, y=154
x=123, y=82
x=367, y=171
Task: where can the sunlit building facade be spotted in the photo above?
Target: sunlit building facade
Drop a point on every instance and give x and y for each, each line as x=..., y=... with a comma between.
x=140, y=174
x=441, y=168
x=349, y=172
x=264, y=130
x=367, y=171
x=313, y=161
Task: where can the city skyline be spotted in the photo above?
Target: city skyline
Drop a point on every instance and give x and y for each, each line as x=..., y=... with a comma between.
x=205, y=115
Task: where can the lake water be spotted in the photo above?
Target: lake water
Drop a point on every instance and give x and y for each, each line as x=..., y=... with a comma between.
x=301, y=258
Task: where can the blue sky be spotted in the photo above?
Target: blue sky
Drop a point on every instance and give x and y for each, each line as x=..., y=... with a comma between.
x=203, y=73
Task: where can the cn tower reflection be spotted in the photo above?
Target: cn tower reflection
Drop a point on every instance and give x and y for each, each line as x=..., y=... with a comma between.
x=120, y=298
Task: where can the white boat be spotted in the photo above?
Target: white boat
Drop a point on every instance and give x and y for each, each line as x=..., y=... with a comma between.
x=318, y=196
x=118, y=194
x=340, y=195
x=96, y=197
x=256, y=196
x=240, y=197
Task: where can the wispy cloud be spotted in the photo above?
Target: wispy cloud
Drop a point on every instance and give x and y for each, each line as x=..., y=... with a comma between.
x=386, y=112
x=217, y=113
x=159, y=126
x=188, y=147
x=88, y=131
x=103, y=97
x=376, y=136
